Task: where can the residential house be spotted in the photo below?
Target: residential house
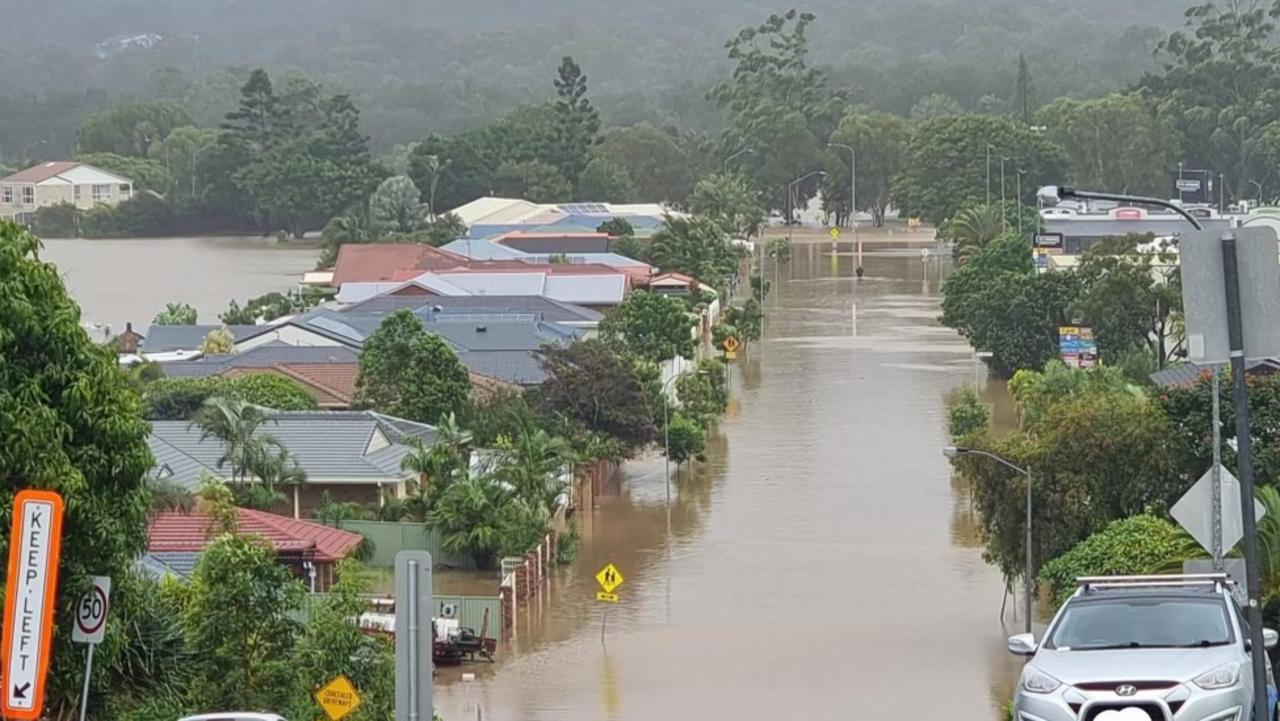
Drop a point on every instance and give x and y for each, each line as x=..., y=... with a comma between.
x=595, y=287
x=328, y=373
x=348, y=456
x=164, y=339
x=52, y=183
x=488, y=217
x=380, y=261
x=311, y=551
x=129, y=341
x=492, y=249
x=366, y=270
x=497, y=342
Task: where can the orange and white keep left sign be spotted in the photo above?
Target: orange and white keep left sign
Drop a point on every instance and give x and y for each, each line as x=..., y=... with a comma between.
x=35, y=544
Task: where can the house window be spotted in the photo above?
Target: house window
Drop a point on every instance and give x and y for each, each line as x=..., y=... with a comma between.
x=124, y=189
x=29, y=195
x=101, y=192
x=6, y=195
x=76, y=191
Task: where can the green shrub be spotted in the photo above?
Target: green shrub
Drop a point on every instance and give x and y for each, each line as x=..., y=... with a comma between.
x=568, y=543
x=175, y=399
x=57, y=221
x=968, y=413
x=1136, y=545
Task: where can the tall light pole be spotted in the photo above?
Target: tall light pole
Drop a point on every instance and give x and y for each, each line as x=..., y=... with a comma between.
x=989, y=148
x=1180, y=167
x=735, y=155
x=195, y=153
x=1028, y=578
x=1021, y=172
x=1004, y=218
x=790, y=204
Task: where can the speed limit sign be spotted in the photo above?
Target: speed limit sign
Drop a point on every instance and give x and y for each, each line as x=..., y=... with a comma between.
x=91, y=612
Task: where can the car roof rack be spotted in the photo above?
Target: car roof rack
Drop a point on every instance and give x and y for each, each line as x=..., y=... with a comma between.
x=1216, y=581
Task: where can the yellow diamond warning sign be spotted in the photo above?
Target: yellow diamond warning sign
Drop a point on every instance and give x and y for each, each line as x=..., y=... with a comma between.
x=609, y=578
x=338, y=698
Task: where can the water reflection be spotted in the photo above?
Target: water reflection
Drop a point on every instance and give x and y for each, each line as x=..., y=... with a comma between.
x=821, y=564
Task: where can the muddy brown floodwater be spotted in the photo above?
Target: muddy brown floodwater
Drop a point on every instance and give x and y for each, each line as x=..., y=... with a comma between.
x=821, y=564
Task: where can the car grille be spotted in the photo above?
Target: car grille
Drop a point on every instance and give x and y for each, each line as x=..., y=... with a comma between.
x=1153, y=710
x=1112, y=685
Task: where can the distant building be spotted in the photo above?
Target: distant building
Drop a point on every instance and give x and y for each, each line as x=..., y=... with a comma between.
x=1082, y=231
x=48, y=184
x=488, y=217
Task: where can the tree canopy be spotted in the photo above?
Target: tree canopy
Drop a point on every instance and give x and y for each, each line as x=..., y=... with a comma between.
x=409, y=372
x=72, y=424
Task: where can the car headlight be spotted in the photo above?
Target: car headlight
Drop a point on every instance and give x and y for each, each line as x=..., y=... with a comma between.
x=1036, y=681
x=1224, y=676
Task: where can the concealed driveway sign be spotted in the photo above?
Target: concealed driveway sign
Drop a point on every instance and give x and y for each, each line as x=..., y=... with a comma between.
x=35, y=542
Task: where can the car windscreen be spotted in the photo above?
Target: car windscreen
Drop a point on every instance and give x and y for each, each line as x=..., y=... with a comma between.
x=1141, y=623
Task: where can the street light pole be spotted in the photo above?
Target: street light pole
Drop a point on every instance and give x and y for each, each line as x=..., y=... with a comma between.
x=790, y=188
x=1021, y=172
x=1180, y=166
x=988, y=174
x=1028, y=578
x=735, y=155
x=1054, y=194
x=1004, y=219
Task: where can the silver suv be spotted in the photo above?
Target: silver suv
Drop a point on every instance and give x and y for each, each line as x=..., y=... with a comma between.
x=1172, y=648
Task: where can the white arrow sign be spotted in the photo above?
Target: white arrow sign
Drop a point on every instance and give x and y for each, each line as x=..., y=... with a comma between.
x=34, y=546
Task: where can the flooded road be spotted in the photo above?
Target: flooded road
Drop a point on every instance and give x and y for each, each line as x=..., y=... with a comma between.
x=820, y=565
x=116, y=281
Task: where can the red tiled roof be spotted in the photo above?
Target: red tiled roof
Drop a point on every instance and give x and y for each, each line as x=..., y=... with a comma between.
x=338, y=379
x=177, y=531
x=41, y=172
x=371, y=262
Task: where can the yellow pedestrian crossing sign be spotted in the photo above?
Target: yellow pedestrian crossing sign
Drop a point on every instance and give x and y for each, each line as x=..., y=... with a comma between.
x=609, y=578
x=338, y=697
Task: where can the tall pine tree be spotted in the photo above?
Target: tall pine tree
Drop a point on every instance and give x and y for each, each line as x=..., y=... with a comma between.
x=1024, y=101
x=578, y=123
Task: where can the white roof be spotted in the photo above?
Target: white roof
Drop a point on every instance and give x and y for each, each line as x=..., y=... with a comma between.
x=587, y=289
x=496, y=211
x=495, y=283
x=87, y=175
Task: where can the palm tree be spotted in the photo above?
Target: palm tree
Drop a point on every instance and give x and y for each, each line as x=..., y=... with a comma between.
x=533, y=463
x=273, y=465
x=235, y=423
x=468, y=518
x=169, y=496
x=973, y=228
x=439, y=464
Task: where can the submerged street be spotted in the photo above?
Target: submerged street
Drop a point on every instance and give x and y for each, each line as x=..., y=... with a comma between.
x=821, y=562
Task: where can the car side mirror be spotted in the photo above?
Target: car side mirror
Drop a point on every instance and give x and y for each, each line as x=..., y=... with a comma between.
x=1023, y=644
x=1270, y=639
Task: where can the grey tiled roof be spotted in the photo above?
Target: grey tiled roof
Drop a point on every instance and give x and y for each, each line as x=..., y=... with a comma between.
x=264, y=356
x=330, y=446
x=519, y=367
x=168, y=338
x=552, y=311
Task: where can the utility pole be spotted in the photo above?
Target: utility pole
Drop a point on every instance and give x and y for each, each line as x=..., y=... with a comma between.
x=1180, y=166
x=1004, y=219
x=1019, y=203
x=988, y=173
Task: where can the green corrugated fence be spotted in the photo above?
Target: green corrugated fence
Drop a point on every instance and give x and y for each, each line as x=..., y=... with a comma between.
x=390, y=538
